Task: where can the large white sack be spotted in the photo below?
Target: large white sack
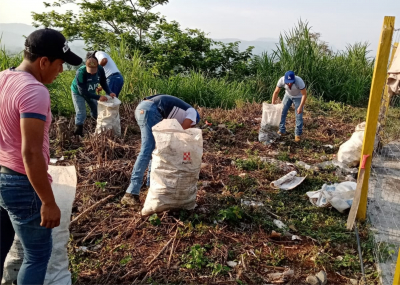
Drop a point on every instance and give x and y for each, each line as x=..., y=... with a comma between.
x=271, y=114
x=64, y=189
x=350, y=152
x=108, y=116
x=175, y=168
x=271, y=117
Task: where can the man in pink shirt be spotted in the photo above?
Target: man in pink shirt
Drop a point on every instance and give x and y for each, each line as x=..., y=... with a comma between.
x=27, y=204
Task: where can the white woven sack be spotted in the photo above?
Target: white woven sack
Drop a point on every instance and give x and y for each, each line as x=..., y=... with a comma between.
x=175, y=168
x=271, y=114
x=64, y=189
x=350, y=152
x=108, y=116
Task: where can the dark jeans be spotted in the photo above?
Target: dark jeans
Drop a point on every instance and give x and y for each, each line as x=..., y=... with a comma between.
x=20, y=201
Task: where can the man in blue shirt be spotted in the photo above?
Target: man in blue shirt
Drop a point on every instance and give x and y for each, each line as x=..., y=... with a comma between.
x=295, y=93
x=148, y=113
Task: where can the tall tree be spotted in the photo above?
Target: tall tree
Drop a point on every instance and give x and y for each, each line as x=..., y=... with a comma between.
x=166, y=47
x=103, y=22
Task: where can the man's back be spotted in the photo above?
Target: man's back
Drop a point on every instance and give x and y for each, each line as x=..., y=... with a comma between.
x=110, y=67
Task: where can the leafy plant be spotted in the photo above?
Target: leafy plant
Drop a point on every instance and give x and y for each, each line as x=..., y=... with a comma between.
x=125, y=260
x=101, y=185
x=232, y=214
x=218, y=268
x=195, y=258
x=155, y=220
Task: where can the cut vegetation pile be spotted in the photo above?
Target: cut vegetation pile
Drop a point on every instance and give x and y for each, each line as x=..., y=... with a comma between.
x=222, y=241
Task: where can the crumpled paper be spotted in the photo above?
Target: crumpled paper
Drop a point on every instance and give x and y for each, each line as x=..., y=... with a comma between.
x=287, y=182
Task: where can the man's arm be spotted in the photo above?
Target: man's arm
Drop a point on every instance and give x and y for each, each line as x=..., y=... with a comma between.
x=303, y=101
x=32, y=131
x=103, y=83
x=103, y=62
x=187, y=123
x=275, y=95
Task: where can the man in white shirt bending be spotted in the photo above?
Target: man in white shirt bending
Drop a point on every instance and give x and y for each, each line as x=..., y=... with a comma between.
x=115, y=80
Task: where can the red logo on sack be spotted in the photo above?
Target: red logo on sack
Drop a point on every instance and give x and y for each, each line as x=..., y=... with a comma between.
x=186, y=156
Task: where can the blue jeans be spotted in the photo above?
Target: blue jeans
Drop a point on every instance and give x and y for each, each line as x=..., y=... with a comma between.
x=287, y=102
x=80, y=108
x=115, y=83
x=147, y=116
x=22, y=204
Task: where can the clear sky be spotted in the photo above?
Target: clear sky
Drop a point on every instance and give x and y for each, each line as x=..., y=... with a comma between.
x=339, y=21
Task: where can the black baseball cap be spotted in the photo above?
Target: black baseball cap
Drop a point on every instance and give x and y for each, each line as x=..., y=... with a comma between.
x=51, y=43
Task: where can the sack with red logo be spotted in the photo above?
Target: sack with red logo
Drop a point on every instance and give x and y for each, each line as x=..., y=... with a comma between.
x=175, y=168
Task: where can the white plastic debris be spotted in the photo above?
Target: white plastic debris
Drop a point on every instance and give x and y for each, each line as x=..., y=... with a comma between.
x=288, y=182
x=340, y=196
x=280, y=224
x=294, y=237
x=251, y=203
x=232, y=264
x=284, y=276
x=54, y=160
x=82, y=249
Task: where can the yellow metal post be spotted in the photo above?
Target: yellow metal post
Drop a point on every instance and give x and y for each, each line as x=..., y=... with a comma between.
x=377, y=87
x=396, y=279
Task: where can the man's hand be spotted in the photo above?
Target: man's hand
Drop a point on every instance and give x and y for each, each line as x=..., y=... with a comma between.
x=275, y=95
x=103, y=99
x=113, y=95
x=300, y=109
x=99, y=89
x=51, y=215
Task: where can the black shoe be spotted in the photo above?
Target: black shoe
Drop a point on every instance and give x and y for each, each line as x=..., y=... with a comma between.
x=78, y=130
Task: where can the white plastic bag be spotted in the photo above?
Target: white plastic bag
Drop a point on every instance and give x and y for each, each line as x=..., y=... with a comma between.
x=350, y=152
x=175, y=168
x=271, y=114
x=64, y=189
x=271, y=117
x=339, y=196
x=108, y=116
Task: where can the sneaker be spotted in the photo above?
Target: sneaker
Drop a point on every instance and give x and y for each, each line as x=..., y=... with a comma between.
x=297, y=138
x=281, y=134
x=131, y=200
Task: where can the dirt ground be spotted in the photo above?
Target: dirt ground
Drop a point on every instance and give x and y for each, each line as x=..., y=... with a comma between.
x=112, y=244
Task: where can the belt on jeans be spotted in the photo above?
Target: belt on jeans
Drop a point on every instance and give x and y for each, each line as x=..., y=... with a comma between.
x=115, y=73
x=6, y=170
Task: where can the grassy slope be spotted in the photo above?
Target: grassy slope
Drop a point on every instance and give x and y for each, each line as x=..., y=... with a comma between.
x=122, y=243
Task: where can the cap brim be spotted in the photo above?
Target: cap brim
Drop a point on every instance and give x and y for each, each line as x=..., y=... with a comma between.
x=71, y=58
x=289, y=81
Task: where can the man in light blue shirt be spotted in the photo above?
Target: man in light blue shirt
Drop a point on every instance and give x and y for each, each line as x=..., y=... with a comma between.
x=295, y=93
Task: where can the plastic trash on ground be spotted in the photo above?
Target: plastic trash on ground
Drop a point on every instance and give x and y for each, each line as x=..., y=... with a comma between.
x=339, y=196
x=288, y=182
